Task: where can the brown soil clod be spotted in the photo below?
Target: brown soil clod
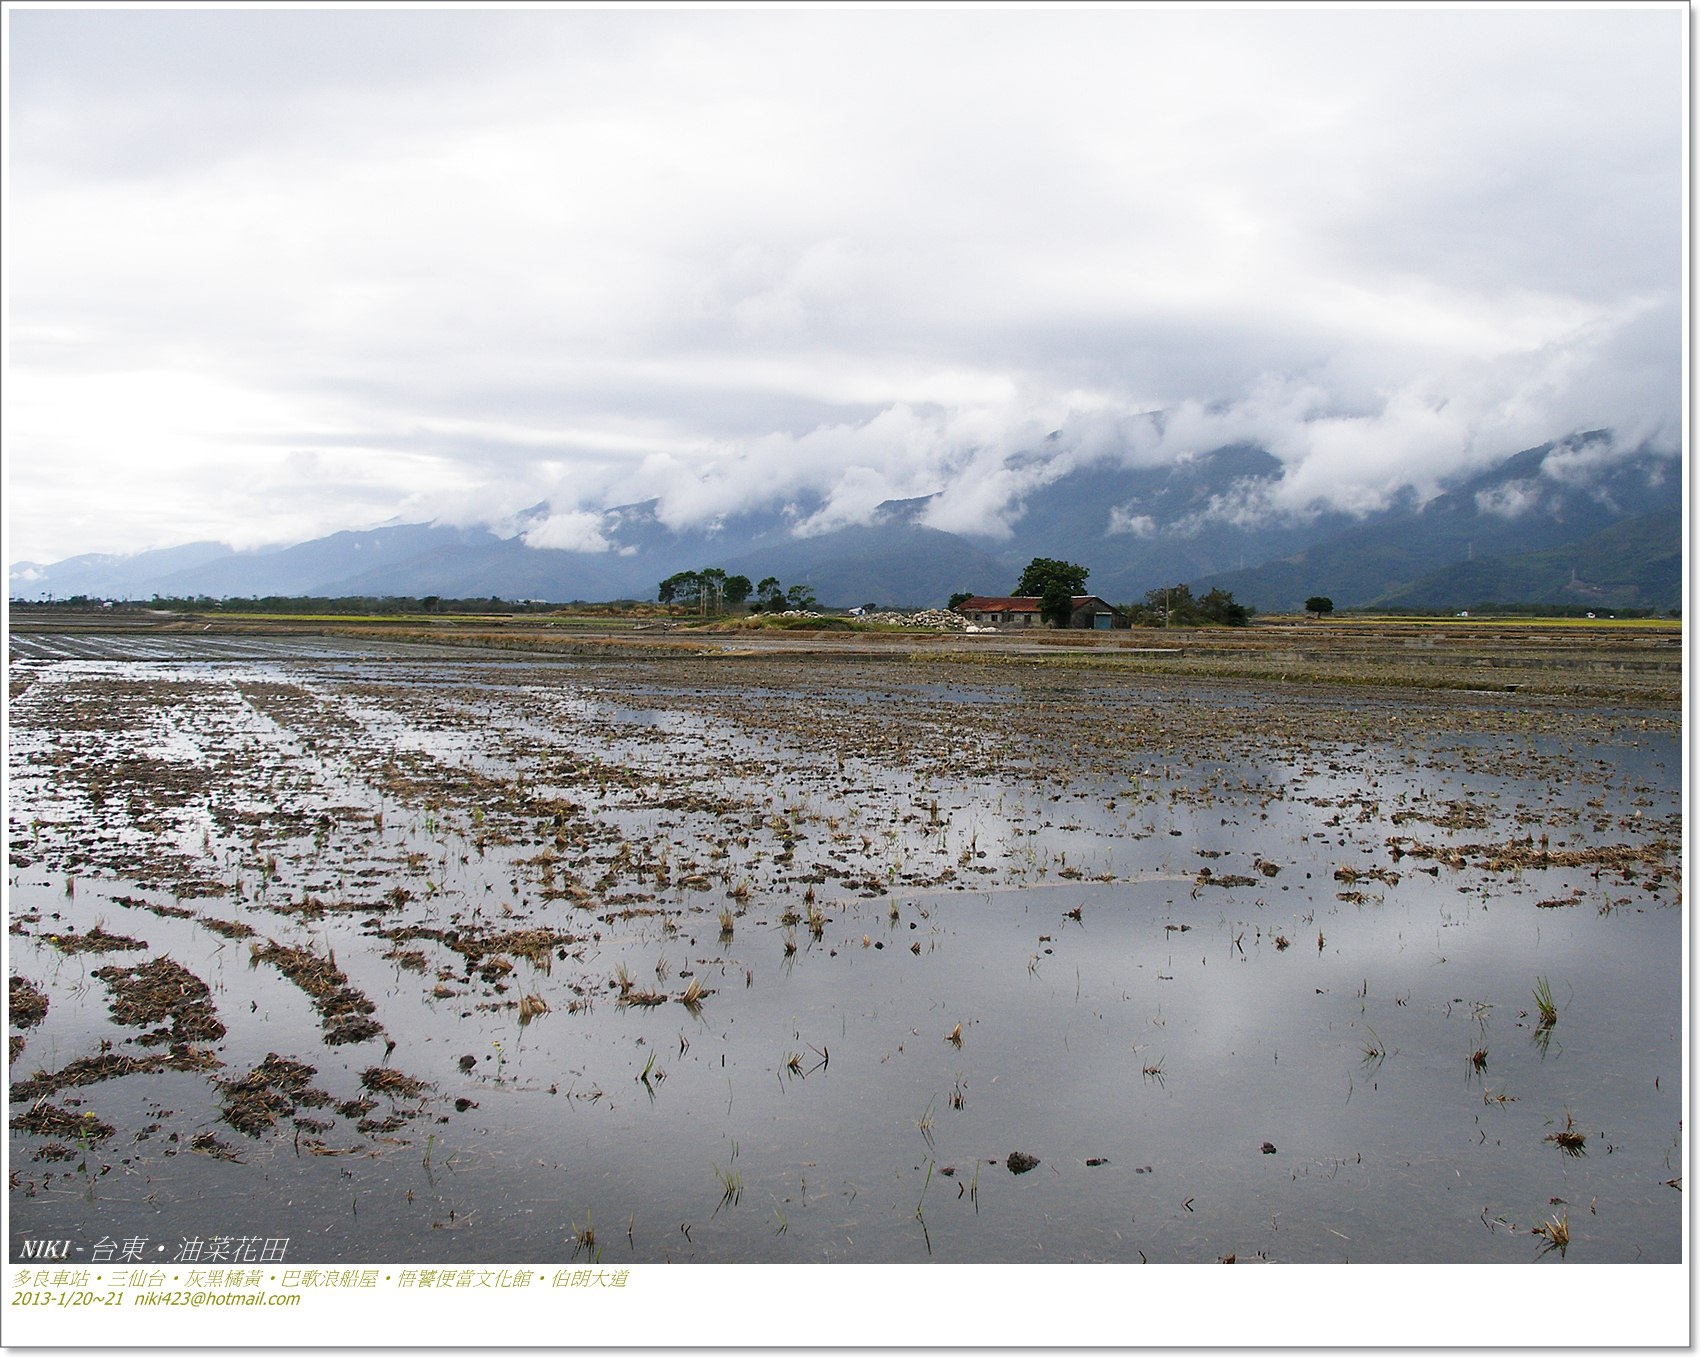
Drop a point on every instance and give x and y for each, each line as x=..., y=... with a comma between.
x=208, y=1144
x=1573, y=1142
x=393, y=1083
x=44, y=1119
x=163, y=991
x=1020, y=1162
x=343, y=1010
x=268, y=1093
x=1525, y=854
x=225, y=928
x=96, y=1068
x=26, y=1004
x=97, y=939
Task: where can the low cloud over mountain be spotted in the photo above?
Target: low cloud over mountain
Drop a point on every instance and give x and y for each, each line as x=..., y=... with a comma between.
x=1216, y=518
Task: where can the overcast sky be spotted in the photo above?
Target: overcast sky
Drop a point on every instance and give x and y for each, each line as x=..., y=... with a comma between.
x=277, y=273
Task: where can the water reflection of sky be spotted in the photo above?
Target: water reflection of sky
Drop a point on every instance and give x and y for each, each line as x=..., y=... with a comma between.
x=1118, y=1037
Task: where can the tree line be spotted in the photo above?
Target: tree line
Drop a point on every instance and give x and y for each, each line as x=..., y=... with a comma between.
x=712, y=592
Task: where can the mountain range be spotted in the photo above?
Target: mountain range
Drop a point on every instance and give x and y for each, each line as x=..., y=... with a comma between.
x=1568, y=522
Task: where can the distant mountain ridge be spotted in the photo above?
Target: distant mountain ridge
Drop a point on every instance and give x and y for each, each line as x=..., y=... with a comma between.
x=1636, y=563
x=1527, y=504
x=1545, y=525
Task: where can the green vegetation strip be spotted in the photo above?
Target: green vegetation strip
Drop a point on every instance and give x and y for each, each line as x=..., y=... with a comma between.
x=1550, y=683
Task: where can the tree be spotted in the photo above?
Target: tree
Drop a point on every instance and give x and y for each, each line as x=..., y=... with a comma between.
x=1319, y=604
x=1056, y=604
x=1172, y=606
x=713, y=590
x=956, y=600
x=1219, y=609
x=735, y=589
x=800, y=597
x=683, y=587
x=1042, y=572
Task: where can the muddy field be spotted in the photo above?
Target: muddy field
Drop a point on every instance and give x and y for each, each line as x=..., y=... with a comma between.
x=643, y=953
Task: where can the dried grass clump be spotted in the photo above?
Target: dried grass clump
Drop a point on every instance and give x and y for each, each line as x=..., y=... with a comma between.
x=1555, y=1230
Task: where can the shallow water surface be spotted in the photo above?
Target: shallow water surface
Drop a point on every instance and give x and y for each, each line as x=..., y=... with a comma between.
x=1249, y=974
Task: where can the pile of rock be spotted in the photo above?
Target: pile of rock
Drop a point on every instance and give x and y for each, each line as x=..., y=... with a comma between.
x=935, y=619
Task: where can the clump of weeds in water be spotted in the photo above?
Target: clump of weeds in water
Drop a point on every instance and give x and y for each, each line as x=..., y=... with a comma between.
x=1573, y=1142
x=1154, y=1072
x=925, y=1184
x=959, y=1093
x=1548, y=1011
x=726, y=922
x=531, y=1006
x=925, y=1124
x=1479, y=1055
x=731, y=1182
x=85, y=1139
x=1555, y=1230
x=1375, y=1049
x=584, y=1240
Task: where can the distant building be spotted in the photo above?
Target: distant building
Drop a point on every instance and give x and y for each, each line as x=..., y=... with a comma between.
x=1013, y=613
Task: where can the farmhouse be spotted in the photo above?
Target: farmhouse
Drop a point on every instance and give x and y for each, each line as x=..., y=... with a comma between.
x=1088, y=611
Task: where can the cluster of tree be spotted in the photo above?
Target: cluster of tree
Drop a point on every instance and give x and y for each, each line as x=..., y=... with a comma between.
x=1176, y=607
x=708, y=591
x=773, y=597
x=712, y=592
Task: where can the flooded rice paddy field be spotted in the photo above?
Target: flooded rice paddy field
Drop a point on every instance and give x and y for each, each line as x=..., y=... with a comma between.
x=416, y=956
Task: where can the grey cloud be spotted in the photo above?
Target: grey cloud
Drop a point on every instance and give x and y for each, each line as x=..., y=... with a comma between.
x=729, y=258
